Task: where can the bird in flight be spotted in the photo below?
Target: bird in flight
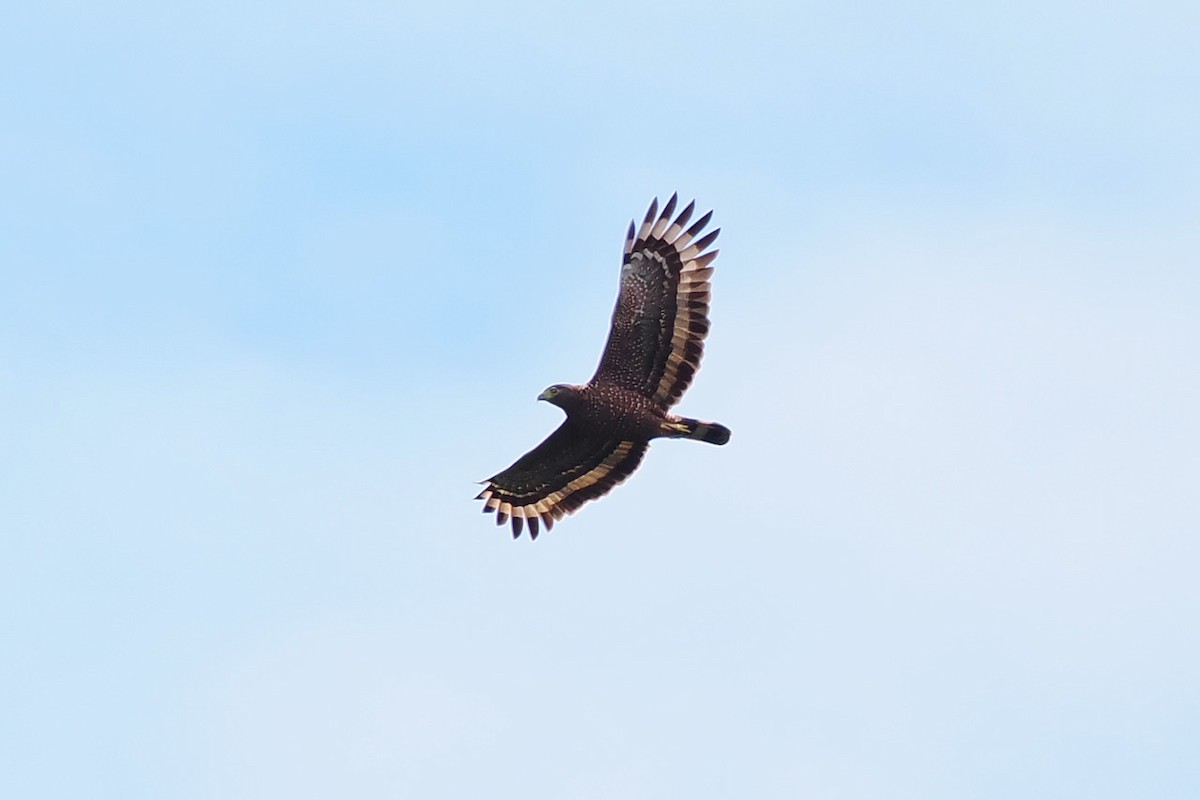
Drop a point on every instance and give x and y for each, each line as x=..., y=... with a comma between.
x=653, y=351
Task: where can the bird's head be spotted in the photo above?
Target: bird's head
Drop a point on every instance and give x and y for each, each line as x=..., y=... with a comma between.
x=560, y=394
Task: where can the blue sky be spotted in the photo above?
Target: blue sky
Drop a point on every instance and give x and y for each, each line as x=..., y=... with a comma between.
x=281, y=282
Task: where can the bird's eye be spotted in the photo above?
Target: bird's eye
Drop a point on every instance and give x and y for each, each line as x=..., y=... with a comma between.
x=553, y=391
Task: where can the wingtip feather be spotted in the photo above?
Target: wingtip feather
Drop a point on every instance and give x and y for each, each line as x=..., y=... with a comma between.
x=651, y=211
x=669, y=208
x=686, y=214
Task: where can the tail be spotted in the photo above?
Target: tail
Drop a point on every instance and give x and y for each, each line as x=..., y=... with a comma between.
x=711, y=432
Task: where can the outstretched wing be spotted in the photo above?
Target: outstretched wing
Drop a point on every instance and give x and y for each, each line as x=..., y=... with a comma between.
x=558, y=476
x=661, y=318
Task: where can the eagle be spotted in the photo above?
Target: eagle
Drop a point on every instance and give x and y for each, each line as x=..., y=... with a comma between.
x=653, y=351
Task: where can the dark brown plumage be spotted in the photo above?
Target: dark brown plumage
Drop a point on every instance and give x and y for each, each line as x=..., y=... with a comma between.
x=653, y=351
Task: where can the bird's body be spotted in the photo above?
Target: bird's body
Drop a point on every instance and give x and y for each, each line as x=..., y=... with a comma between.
x=602, y=407
x=606, y=406
x=653, y=351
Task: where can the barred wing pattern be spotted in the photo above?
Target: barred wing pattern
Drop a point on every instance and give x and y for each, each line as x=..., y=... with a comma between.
x=661, y=317
x=558, y=476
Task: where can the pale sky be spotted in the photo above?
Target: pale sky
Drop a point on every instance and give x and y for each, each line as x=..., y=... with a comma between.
x=280, y=283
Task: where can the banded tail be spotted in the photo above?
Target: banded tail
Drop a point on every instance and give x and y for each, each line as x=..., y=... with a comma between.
x=711, y=432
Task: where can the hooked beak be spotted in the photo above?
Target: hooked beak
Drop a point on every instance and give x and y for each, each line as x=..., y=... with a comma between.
x=544, y=395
